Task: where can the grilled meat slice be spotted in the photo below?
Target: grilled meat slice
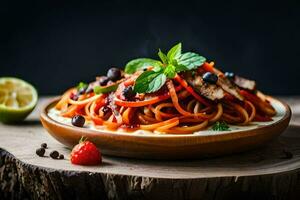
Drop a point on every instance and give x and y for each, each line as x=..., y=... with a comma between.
x=210, y=91
x=232, y=89
x=244, y=83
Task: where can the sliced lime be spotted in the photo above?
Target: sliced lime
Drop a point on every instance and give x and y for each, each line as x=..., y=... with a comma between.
x=17, y=99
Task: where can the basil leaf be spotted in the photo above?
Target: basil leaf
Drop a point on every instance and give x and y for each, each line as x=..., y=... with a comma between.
x=139, y=64
x=189, y=61
x=170, y=71
x=82, y=86
x=163, y=57
x=157, y=83
x=149, y=81
x=174, y=52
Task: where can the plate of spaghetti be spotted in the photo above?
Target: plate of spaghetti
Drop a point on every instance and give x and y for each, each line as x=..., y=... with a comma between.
x=176, y=107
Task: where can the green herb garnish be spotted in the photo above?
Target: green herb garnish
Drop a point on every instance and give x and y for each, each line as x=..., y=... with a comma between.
x=221, y=126
x=140, y=63
x=149, y=81
x=170, y=71
x=189, y=61
x=82, y=86
x=171, y=63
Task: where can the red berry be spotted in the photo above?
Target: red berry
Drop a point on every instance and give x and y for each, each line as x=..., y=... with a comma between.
x=86, y=153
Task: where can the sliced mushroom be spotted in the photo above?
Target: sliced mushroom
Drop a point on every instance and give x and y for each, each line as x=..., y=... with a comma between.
x=210, y=91
x=232, y=89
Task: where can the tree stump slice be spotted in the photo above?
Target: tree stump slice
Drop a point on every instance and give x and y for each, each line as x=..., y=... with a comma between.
x=265, y=173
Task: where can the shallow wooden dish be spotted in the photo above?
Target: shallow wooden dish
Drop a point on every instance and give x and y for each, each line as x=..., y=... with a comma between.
x=205, y=144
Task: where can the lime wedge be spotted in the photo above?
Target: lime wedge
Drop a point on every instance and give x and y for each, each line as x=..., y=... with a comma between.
x=17, y=99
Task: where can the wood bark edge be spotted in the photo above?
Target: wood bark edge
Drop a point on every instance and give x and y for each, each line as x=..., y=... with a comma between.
x=19, y=180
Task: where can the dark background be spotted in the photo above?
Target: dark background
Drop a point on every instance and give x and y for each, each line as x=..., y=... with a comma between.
x=54, y=44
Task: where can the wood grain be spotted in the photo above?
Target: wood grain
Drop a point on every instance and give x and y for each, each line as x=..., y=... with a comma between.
x=260, y=173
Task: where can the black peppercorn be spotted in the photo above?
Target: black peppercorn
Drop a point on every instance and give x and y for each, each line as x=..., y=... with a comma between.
x=129, y=93
x=40, y=152
x=44, y=145
x=54, y=154
x=61, y=156
x=114, y=74
x=210, y=78
x=78, y=121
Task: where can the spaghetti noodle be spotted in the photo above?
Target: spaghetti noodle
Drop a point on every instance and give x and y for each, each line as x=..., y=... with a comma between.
x=176, y=108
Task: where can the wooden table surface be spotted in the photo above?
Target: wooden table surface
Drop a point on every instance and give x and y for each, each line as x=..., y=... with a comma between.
x=23, y=174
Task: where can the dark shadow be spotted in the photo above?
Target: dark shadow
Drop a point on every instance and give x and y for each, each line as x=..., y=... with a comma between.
x=29, y=122
x=67, y=148
x=104, y=164
x=264, y=153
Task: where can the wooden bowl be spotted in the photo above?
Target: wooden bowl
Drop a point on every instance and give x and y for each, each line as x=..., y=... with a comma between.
x=165, y=146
